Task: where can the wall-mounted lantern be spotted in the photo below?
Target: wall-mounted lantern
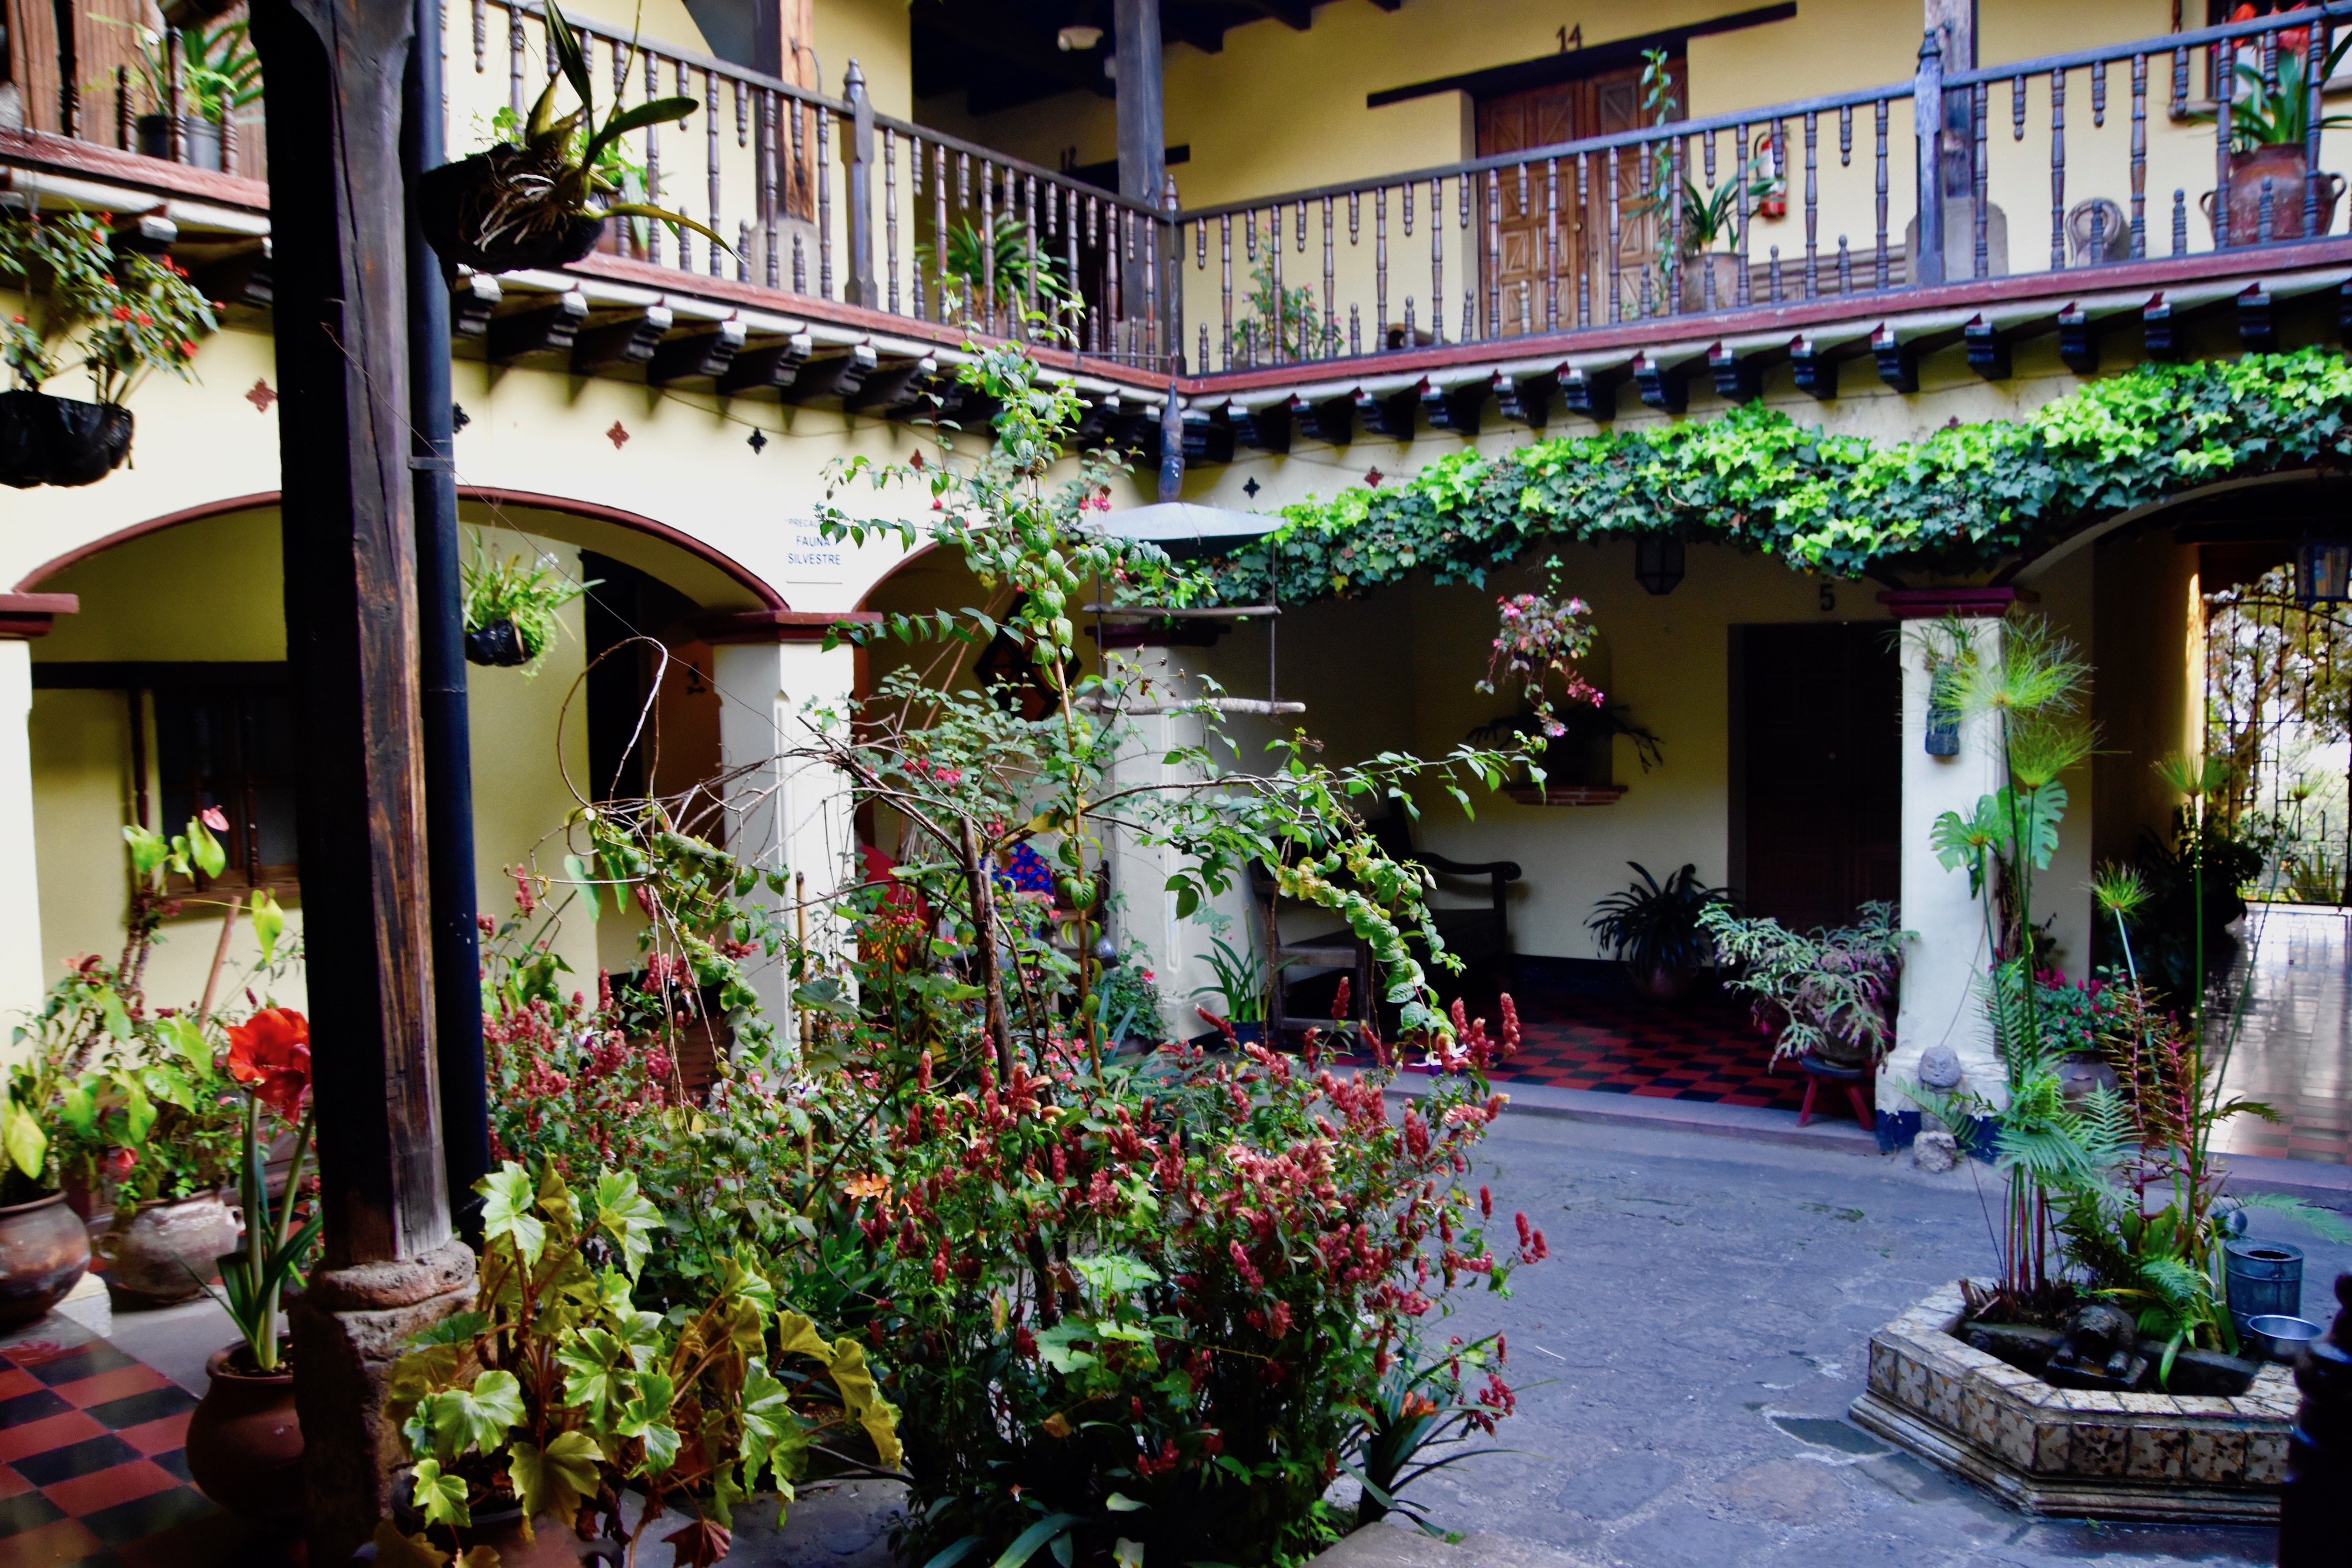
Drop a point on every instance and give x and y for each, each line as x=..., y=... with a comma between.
x=1658, y=562
x=2323, y=571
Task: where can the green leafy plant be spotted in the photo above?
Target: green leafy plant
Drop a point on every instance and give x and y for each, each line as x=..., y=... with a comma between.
x=270, y=1057
x=1754, y=478
x=2275, y=110
x=1418, y=1411
x=1279, y=323
x=1131, y=1005
x=218, y=70
x=124, y=315
x=524, y=590
x=1657, y=928
x=1241, y=979
x=992, y=278
x=1829, y=991
x=560, y=1392
x=560, y=165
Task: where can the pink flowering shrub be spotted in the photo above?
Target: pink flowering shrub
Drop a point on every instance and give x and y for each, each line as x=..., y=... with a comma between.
x=1180, y=1287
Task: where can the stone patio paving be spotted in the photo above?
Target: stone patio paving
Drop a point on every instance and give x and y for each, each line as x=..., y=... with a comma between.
x=2294, y=1049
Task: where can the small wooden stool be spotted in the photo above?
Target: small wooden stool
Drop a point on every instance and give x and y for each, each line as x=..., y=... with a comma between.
x=1858, y=1085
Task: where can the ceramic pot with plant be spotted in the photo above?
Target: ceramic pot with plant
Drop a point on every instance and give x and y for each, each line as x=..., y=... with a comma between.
x=2269, y=147
x=1653, y=928
x=511, y=604
x=217, y=73
x=244, y=1443
x=44, y=1253
x=118, y=317
x=528, y=1419
x=161, y=1252
x=540, y=198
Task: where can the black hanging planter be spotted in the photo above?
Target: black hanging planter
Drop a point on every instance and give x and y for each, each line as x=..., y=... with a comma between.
x=498, y=645
x=456, y=201
x=48, y=440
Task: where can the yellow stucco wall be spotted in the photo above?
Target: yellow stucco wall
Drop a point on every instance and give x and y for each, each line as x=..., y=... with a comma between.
x=873, y=34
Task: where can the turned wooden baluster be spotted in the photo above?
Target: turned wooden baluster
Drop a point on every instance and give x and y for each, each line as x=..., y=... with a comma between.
x=1380, y=265
x=987, y=244
x=939, y=229
x=516, y=43
x=2139, y=158
x=710, y=153
x=1331, y=307
x=1355, y=242
x=1437, y=260
x=824, y=118
x=1880, y=275
x=2179, y=221
x=771, y=112
x=1583, y=239
x=1029, y=243
x=1225, y=281
x=2058, y=169
x=1469, y=260
x=1551, y=246
x=1494, y=260
x=2221, y=237
x=1616, y=281
x=1070, y=254
x=481, y=37
x=1813, y=207
x=915, y=302
x=652, y=162
x=2179, y=84
x=1981, y=174
x=2315, y=54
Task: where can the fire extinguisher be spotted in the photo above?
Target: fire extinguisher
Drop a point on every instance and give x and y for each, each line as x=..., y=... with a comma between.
x=1772, y=190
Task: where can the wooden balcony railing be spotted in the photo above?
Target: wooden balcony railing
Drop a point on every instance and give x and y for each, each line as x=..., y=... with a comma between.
x=1874, y=193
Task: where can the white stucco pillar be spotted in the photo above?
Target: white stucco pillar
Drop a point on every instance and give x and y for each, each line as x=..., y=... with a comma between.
x=21, y=978
x=784, y=813
x=1943, y=967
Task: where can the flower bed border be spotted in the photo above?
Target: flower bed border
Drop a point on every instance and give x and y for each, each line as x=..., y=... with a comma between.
x=2153, y=1457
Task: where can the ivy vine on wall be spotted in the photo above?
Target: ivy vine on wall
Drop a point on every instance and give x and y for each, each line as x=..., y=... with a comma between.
x=1957, y=499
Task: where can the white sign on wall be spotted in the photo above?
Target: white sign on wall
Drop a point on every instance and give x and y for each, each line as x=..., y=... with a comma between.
x=812, y=561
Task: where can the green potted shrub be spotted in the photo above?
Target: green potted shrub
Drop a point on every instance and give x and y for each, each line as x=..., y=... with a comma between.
x=1828, y=993
x=1654, y=929
x=510, y=608
x=561, y=1394
x=123, y=315
x=218, y=74
x=540, y=198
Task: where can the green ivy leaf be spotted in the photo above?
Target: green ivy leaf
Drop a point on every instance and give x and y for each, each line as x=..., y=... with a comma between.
x=441, y=1499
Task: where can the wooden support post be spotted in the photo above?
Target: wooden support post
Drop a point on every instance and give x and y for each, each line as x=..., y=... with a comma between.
x=1927, y=118
x=862, y=291
x=1142, y=136
x=333, y=75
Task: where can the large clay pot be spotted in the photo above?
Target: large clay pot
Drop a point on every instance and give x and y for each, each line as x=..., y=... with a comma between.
x=1664, y=984
x=44, y=1252
x=1724, y=269
x=167, y=1251
x=2284, y=166
x=245, y=1444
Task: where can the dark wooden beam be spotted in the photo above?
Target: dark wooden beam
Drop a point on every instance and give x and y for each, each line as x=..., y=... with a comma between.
x=2078, y=341
x=1526, y=400
x=544, y=329
x=1592, y=393
x=1208, y=437
x=2257, y=320
x=696, y=357
x=1456, y=408
x=1665, y=388
x=472, y=300
x=627, y=341
x=1988, y=349
x=1179, y=25
x=1298, y=15
x=989, y=35
x=768, y=368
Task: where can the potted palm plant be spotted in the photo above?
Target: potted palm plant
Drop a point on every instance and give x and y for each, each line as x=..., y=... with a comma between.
x=1654, y=929
x=217, y=73
x=123, y=315
x=540, y=198
x=2269, y=121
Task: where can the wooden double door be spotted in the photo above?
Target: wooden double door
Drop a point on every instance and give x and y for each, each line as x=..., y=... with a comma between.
x=1521, y=264
x=1819, y=749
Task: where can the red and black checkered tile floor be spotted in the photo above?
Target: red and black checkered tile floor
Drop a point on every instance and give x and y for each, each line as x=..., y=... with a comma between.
x=1698, y=1050
x=92, y=1468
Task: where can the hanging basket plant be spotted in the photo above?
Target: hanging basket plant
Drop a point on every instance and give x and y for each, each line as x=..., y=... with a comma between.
x=117, y=317
x=511, y=604
x=540, y=198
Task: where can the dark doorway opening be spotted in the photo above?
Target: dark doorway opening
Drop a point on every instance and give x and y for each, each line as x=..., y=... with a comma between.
x=1818, y=769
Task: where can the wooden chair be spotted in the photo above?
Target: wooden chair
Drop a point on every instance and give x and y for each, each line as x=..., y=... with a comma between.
x=1480, y=934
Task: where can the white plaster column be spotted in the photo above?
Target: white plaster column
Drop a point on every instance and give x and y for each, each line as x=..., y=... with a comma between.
x=784, y=813
x=1943, y=967
x=21, y=978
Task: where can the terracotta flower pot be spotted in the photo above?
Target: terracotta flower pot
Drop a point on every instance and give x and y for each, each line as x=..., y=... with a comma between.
x=2284, y=166
x=166, y=1253
x=245, y=1444
x=1697, y=269
x=44, y=1252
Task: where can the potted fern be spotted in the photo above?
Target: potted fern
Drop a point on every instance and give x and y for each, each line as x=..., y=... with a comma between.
x=511, y=605
x=538, y=199
x=117, y=317
x=1655, y=929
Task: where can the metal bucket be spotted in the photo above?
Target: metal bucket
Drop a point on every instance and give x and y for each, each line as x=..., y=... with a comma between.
x=2265, y=1279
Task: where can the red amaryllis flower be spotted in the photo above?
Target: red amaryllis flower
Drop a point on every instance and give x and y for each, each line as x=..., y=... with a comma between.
x=270, y=1053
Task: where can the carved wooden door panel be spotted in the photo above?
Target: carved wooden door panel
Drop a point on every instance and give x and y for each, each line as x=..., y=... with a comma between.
x=1519, y=276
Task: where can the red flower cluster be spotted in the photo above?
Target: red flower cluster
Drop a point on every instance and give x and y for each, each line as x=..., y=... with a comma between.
x=270, y=1053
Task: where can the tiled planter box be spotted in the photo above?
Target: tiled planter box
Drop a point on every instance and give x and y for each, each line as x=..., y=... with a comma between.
x=2071, y=1451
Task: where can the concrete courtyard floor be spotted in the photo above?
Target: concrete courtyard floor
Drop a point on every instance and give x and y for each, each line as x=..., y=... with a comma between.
x=1685, y=1360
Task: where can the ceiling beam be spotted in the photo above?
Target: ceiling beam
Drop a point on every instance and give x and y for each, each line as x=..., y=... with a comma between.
x=1182, y=25
x=1012, y=46
x=1295, y=15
